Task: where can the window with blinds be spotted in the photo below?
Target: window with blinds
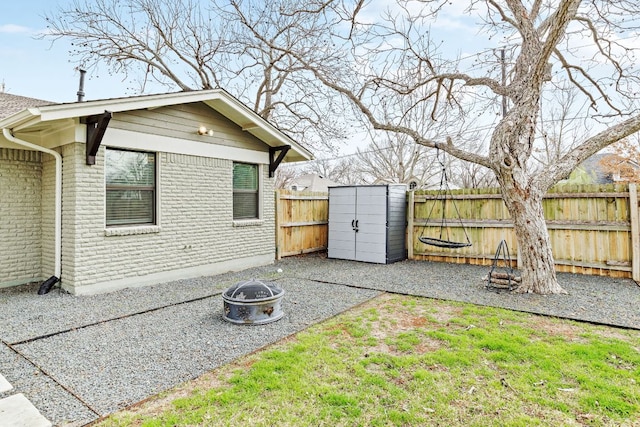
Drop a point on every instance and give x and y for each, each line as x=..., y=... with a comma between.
x=130, y=187
x=245, y=191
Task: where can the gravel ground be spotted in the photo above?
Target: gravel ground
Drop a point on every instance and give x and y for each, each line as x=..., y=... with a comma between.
x=56, y=403
x=94, y=364
x=604, y=300
x=78, y=358
x=24, y=317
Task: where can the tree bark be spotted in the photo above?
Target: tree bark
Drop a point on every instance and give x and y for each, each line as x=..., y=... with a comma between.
x=534, y=245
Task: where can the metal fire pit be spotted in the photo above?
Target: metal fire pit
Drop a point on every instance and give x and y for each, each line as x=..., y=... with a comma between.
x=253, y=302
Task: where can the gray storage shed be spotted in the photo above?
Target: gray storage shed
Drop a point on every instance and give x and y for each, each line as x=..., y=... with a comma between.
x=368, y=223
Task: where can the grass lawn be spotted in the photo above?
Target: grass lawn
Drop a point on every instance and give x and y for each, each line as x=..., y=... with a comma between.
x=404, y=361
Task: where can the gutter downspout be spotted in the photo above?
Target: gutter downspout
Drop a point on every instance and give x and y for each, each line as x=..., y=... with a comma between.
x=46, y=286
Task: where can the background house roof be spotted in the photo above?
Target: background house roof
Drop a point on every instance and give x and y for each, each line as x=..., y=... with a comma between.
x=591, y=171
x=312, y=182
x=11, y=104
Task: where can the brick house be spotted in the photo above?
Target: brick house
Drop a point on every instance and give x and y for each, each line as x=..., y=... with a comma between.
x=108, y=194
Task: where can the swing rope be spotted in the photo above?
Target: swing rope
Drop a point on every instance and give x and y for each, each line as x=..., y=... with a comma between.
x=443, y=192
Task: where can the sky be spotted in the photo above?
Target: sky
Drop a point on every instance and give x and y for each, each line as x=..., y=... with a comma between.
x=45, y=70
x=38, y=69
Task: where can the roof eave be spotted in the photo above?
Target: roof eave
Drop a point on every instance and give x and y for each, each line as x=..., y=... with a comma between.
x=21, y=118
x=250, y=121
x=115, y=105
x=218, y=99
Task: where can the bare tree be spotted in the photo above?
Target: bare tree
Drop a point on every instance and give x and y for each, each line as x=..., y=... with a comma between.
x=560, y=126
x=588, y=44
x=375, y=60
x=395, y=158
x=341, y=170
x=188, y=44
x=285, y=175
x=471, y=175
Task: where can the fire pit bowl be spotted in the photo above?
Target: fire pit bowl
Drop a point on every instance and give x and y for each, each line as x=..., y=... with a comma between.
x=253, y=302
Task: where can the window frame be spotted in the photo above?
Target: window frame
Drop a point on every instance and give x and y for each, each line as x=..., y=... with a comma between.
x=258, y=193
x=119, y=187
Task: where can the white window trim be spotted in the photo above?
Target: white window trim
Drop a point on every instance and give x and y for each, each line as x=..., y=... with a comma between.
x=252, y=222
x=131, y=230
x=134, y=229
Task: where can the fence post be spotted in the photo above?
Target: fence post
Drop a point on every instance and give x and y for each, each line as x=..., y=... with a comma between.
x=410, y=218
x=635, y=232
x=278, y=231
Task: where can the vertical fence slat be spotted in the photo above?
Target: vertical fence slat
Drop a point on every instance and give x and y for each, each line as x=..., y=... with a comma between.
x=279, y=230
x=635, y=236
x=410, y=225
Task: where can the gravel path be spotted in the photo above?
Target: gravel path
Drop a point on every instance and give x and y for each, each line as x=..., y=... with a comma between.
x=604, y=300
x=78, y=358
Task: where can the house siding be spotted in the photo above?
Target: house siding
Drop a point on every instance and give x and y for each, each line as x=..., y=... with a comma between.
x=183, y=122
x=195, y=230
x=20, y=210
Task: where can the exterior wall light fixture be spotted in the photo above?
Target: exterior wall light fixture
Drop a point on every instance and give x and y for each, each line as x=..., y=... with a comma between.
x=202, y=130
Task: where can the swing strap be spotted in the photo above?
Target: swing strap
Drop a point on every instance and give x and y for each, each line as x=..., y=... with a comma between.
x=442, y=195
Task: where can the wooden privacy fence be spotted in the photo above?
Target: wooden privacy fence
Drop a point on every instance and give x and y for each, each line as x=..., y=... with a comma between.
x=593, y=229
x=302, y=220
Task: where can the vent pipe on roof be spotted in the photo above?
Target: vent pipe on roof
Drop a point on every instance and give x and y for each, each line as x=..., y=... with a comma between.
x=81, y=87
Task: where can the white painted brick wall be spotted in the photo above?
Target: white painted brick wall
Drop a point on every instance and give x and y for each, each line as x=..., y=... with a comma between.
x=20, y=216
x=195, y=220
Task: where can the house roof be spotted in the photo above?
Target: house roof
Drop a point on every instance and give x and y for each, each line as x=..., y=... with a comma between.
x=314, y=182
x=41, y=115
x=595, y=170
x=11, y=104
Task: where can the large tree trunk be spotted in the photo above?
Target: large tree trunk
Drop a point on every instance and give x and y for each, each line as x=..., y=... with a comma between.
x=534, y=246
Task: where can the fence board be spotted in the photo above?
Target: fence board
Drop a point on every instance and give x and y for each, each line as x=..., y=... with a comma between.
x=302, y=222
x=635, y=236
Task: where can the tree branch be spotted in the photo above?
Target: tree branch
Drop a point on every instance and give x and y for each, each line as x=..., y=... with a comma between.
x=563, y=167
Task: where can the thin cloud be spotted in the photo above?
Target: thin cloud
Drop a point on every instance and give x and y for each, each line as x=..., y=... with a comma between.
x=14, y=29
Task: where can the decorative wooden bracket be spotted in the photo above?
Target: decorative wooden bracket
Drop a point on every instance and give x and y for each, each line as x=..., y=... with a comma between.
x=96, y=127
x=274, y=162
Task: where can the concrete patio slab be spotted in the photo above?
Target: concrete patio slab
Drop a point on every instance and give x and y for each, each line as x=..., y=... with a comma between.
x=4, y=384
x=18, y=411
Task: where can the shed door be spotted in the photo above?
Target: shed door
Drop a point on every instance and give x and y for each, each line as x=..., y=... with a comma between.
x=371, y=216
x=342, y=214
